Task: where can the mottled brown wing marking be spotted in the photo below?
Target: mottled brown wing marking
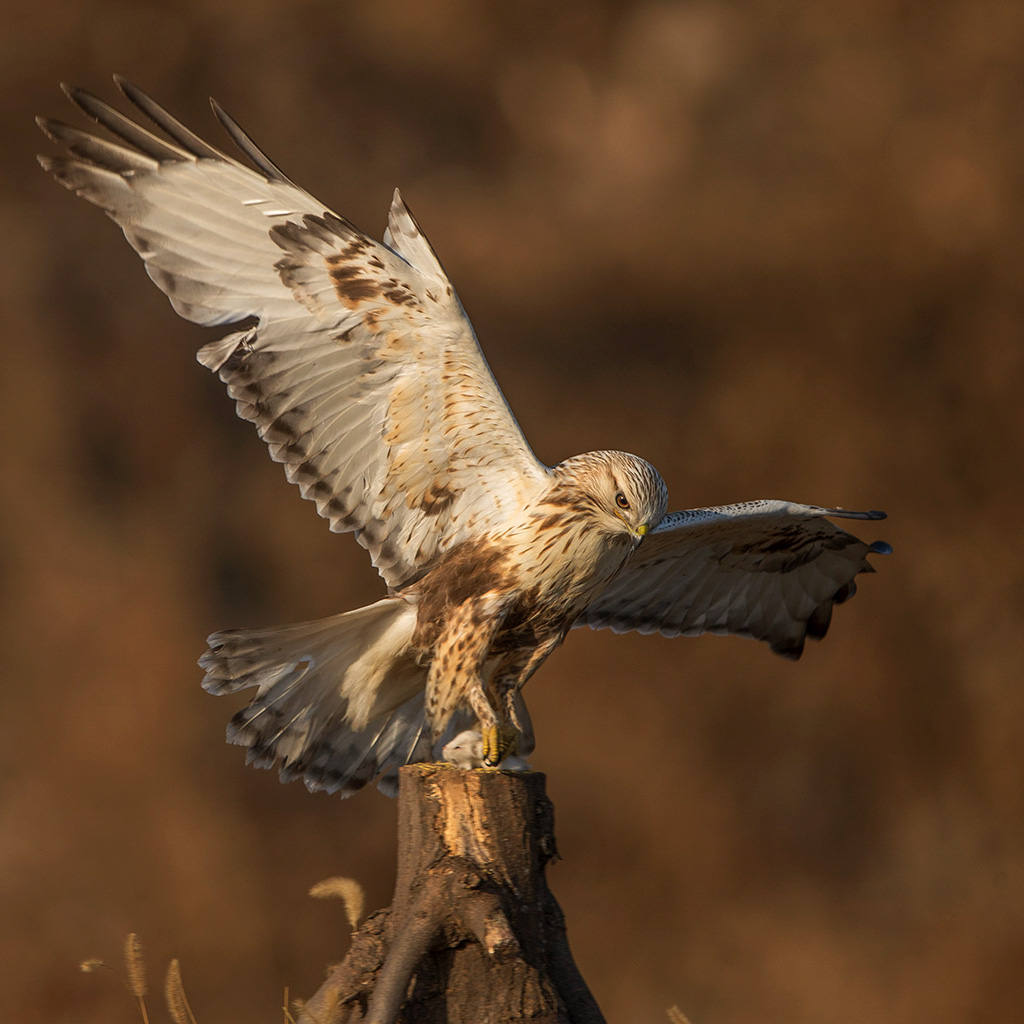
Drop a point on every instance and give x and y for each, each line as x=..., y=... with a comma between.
x=351, y=287
x=394, y=291
x=436, y=500
x=346, y=269
x=372, y=318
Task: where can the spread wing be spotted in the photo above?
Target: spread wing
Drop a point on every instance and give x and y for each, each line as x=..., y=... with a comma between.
x=771, y=570
x=362, y=372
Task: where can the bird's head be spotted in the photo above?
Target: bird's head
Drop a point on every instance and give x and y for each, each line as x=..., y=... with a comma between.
x=623, y=492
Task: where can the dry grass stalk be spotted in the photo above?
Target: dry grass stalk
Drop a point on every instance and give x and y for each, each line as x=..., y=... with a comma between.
x=174, y=993
x=296, y=1003
x=346, y=889
x=93, y=963
x=676, y=1016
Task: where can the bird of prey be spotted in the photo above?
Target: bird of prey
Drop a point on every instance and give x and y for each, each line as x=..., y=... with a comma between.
x=357, y=364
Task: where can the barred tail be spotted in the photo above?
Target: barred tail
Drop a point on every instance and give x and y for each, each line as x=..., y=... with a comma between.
x=339, y=701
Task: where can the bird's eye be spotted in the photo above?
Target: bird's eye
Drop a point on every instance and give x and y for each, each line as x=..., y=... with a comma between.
x=620, y=500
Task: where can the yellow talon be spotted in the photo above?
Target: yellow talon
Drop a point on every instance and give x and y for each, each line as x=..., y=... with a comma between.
x=499, y=742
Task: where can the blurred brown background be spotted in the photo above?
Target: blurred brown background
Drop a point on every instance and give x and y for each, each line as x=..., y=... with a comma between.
x=774, y=248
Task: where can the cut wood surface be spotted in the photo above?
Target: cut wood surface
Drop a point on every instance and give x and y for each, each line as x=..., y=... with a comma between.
x=473, y=934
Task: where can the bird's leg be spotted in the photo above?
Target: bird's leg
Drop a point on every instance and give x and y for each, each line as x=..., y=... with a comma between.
x=508, y=680
x=457, y=667
x=502, y=739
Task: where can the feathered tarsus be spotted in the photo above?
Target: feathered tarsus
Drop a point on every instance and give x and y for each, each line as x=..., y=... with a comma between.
x=364, y=377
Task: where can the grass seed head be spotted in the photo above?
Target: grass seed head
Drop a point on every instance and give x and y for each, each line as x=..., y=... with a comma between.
x=348, y=890
x=174, y=993
x=135, y=966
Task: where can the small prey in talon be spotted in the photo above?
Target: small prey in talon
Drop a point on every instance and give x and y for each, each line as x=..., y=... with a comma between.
x=467, y=751
x=356, y=363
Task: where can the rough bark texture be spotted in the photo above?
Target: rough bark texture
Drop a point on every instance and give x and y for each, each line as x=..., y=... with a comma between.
x=473, y=935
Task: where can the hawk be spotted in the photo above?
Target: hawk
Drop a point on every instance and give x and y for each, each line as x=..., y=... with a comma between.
x=357, y=364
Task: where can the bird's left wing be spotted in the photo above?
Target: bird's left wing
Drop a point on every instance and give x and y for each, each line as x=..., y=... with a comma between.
x=362, y=372
x=771, y=570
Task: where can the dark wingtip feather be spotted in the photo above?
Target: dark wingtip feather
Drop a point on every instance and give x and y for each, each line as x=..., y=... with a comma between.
x=790, y=648
x=167, y=122
x=86, y=101
x=122, y=127
x=880, y=547
x=47, y=125
x=241, y=138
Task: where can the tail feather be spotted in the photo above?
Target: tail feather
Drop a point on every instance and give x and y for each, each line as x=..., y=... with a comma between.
x=338, y=701
x=345, y=761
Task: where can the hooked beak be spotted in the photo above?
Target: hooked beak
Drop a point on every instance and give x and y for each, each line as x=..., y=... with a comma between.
x=641, y=531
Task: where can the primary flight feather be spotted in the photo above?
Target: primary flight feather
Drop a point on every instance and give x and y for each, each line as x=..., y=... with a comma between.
x=363, y=375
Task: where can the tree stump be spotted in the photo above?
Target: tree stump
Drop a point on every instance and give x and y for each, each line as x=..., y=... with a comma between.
x=473, y=934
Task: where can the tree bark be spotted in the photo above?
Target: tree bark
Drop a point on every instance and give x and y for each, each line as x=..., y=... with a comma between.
x=473, y=934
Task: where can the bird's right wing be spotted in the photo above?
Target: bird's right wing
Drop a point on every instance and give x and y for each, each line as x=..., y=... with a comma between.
x=362, y=372
x=771, y=570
